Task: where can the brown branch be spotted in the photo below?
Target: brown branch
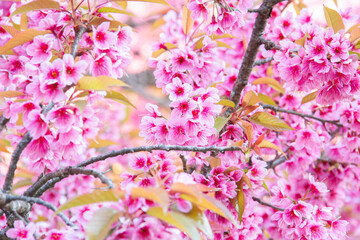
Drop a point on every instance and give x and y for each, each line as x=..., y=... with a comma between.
x=10, y=198
x=78, y=34
x=157, y=147
x=276, y=162
x=264, y=12
x=277, y=109
x=267, y=204
x=50, y=179
x=263, y=61
x=14, y=160
x=3, y=122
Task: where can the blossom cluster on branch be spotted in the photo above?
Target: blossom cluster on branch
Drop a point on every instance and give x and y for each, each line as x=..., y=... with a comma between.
x=260, y=139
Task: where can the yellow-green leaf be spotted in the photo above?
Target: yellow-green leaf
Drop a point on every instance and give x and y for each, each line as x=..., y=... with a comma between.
x=355, y=34
x=113, y=24
x=199, y=220
x=11, y=94
x=89, y=198
x=240, y=199
x=220, y=123
x=250, y=99
x=222, y=44
x=177, y=219
x=81, y=104
x=114, y=10
x=159, y=22
x=109, y=81
x=309, y=97
x=298, y=7
x=114, y=95
x=22, y=183
x=163, y=2
x=99, y=225
x=225, y=35
x=269, y=121
x=268, y=144
x=247, y=180
x=157, y=195
x=36, y=5
x=4, y=149
x=271, y=82
x=11, y=30
x=266, y=99
x=21, y=38
x=91, y=83
x=333, y=19
x=227, y=103
x=187, y=21
x=100, y=143
x=266, y=188
x=162, y=50
x=248, y=129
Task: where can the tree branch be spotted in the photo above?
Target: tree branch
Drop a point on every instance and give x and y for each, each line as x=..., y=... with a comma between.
x=274, y=163
x=267, y=204
x=277, y=109
x=262, y=61
x=264, y=12
x=14, y=160
x=9, y=198
x=60, y=174
x=3, y=122
x=157, y=147
x=78, y=35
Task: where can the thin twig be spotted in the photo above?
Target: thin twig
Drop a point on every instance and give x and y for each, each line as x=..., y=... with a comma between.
x=256, y=199
x=64, y=173
x=269, y=45
x=263, y=61
x=276, y=162
x=183, y=160
x=277, y=109
x=10, y=198
x=157, y=147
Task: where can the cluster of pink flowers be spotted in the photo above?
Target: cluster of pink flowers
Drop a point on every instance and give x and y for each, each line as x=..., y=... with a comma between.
x=195, y=71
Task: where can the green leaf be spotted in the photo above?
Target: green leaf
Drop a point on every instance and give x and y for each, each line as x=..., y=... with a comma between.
x=355, y=34
x=268, y=144
x=163, y=2
x=333, y=19
x=200, y=221
x=100, y=143
x=309, y=97
x=266, y=99
x=177, y=219
x=91, y=83
x=222, y=44
x=187, y=21
x=11, y=94
x=240, y=197
x=99, y=225
x=11, y=30
x=89, y=198
x=269, y=121
x=36, y=5
x=21, y=38
x=266, y=188
x=157, y=195
x=250, y=99
x=114, y=10
x=227, y=103
x=220, y=123
x=109, y=81
x=200, y=199
x=271, y=82
x=114, y=95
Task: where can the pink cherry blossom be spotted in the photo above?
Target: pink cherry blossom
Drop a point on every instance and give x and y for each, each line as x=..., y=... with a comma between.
x=103, y=38
x=40, y=49
x=20, y=231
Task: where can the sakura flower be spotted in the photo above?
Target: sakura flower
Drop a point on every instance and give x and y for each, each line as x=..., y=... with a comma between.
x=183, y=107
x=62, y=118
x=197, y=9
x=73, y=71
x=36, y=124
x=40, y=49
x=177, y=89
x=103, y=38
x=178, y=130
x=20, y=231
x=102, y=65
